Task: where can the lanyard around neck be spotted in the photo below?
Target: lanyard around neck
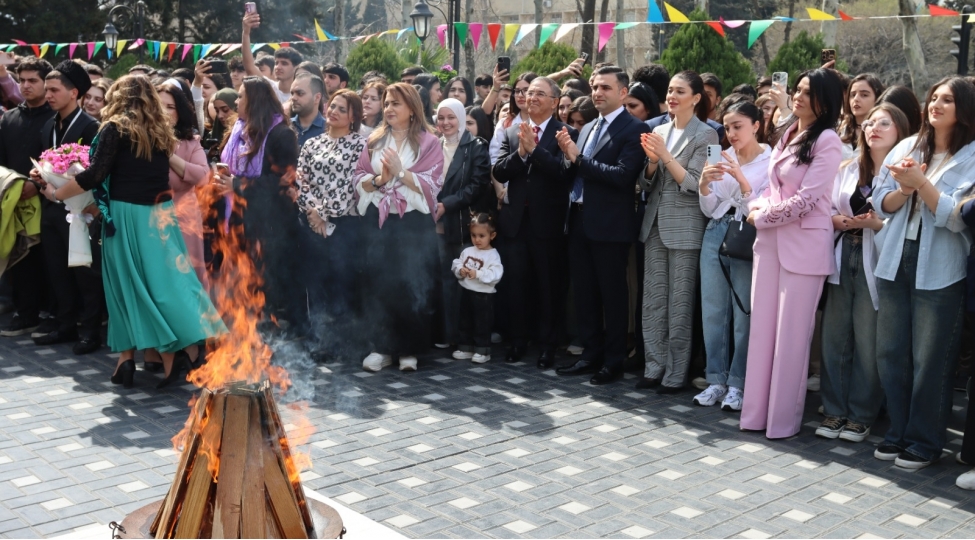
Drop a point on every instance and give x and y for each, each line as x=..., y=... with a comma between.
x=54, y=132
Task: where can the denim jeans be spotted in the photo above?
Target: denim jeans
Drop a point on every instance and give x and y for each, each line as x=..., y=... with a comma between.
x=722, y=320
x=918, y=333
x=850, y=380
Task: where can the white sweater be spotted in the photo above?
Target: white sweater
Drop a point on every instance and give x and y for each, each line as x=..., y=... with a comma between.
x=487, y=265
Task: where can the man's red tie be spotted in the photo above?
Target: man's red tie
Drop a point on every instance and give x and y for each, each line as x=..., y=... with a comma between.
x=536, y=129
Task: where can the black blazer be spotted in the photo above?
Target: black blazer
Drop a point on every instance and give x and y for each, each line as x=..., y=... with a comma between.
x=609, y=179
x=540, y=182
x=84, y=129
x=466, y=188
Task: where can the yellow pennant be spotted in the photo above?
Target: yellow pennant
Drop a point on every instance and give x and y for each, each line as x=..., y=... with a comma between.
x=510, y=31
x=120, y=46
x=320, y=32
x=818, y=15
x=675, y=15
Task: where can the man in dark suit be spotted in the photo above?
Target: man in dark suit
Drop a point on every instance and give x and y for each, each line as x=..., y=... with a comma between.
x=78, y=291
x=533, y=247
x=602, y=224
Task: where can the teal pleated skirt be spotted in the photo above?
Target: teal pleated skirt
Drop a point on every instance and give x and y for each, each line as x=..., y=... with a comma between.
x=153, y=296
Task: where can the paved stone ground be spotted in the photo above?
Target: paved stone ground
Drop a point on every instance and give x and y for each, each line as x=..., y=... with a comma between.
x=461, y=450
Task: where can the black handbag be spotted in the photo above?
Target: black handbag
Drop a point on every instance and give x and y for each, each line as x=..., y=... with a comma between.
x=738, y=243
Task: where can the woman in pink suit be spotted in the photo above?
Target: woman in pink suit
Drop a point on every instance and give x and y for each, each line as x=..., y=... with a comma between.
x=793, y=255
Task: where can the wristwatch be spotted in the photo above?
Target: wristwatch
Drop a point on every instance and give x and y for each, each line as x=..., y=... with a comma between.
x=402, y=174
x=373, y=182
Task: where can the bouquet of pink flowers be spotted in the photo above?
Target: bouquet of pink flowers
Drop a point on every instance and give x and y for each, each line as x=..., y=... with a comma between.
x=57, y=167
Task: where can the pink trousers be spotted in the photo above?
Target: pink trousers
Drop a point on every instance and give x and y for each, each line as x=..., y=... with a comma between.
x=782, y=323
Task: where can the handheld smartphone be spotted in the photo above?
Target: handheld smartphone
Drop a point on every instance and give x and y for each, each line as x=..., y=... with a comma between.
x=250, y=7
x=714, y=154
x=829, y=55
x=222, y=168
x=218, y=66
x=504, y=64
x=585, y=58
x=780, y=78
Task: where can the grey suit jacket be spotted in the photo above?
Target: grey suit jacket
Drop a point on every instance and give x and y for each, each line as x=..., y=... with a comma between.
x=675, y=206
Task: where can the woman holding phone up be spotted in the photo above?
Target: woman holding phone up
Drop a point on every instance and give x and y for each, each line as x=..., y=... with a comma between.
x=725, y=190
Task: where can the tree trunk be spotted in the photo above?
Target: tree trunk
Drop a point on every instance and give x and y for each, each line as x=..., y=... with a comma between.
x=912, y=47
x=788, y=25
x=603, y=13
x=588, y=13
x=620, y=40
x=538, y=11
x=828, y=28
x=703, y=6
x=469, y=62
x=407, y=9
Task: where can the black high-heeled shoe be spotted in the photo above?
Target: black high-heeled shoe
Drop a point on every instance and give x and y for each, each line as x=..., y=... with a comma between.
x=124, y=374
x=175, y=373
x=154, y=367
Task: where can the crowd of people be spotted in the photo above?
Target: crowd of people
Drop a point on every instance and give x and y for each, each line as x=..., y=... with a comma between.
x=632, y=220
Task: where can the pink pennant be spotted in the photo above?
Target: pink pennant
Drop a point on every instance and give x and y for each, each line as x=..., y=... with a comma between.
x=732, y=24
x=138, y=43
x=442, y=34
x=19, y=42
x=91, y=49
x=186, y=50
x=71, y=49
x=475, y=31
x=605, y=32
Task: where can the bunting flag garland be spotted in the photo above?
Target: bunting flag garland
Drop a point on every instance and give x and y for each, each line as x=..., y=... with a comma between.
x=461, y=29
x=37, y=50
x=44, y=49
x=475, y=30
x=494, y=30
x=756, y=29
x=675, y=14
x=196, y=53
x=71, y=48
x=91, y=50
x=403, y=31
x=172, y=49
x=186, y=50
x=319, y=32
x=716, y=26
x=120, y=46
x=510, y=30
x=57, y=50
x=98, y=47
x=565, y=29
x=731, y=24
x=525, y=30
x=938, y=11
x=625, y=25
x=819, y=15
x=442, y=34
x=605, y=32
x=231, y=48
x=844, y=16
x=654, y=16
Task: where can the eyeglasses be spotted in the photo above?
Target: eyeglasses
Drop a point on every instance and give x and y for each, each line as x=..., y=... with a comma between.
x=520, y=91
x=879, y=125
x=532, y=94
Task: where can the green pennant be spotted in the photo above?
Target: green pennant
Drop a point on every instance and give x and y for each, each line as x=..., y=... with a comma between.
x=98, y=47
x=546, y=31
x=12, y=47
x=196, y=52
x=625, y=25
x=57, y=50
x=756, y=29
x=461, y=29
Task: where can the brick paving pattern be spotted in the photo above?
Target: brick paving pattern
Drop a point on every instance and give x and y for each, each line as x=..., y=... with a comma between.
x=459, y=450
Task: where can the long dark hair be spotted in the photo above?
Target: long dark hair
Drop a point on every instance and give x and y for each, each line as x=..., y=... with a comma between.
x=485, y=127
x=647, y=96
x=752, y=112
x=848, y=128
x=513, y=109
x=703, y=107
x=963, y=132
x=468, y=89
x=866, y=164
x=826, y=99
x=262, y=105
x=904, y=99
x=186, y=117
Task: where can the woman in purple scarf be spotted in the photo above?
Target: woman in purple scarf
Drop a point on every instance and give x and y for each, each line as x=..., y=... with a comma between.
x=397, y=180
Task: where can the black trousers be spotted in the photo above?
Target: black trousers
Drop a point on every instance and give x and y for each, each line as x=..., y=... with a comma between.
x=601, y=301
x=448, y=293
x=535, y=275
x=78, y=291
x=28, y=283
x=476, y=318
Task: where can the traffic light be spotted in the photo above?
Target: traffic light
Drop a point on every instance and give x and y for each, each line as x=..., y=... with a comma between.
x=962, y=40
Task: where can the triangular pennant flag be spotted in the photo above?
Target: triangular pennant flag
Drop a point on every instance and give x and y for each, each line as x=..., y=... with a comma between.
x=98, y=47
x=784, y=19
x=37, y=50
x=186, y=50
x=524, y=31
x=475, y=30
x=654, y=16
x=565, y=29
x=71, y=48
x=163, y=45
x=546, y=32
x=494, y=30
x=971, y=18
x=675, y=15
x=510, y=31
x=319, y=32
x=329, y=36
x=11, y=48
x=257, y=46
x=91, y=49
x=819, y=15
x=605, y=32
x=358, y=38
x=299, y=36
x=172, y=49
x=461, y=29
x=275, y=46
x=57, y=50
x=756, y=29
x=442, y=34
x=731, y=24
x=625, y=25
x=19, y=42
x=231, y=49
x=44, y=49
x=401, y=32
x=845, y=17
x=138, y=43
x=938, y=11
x=196, y=52
x=372, y=36
x=717, y=27
x=206, y=50
x=120, y=47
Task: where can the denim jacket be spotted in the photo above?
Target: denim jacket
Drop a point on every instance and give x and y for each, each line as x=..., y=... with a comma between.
x=945, y=239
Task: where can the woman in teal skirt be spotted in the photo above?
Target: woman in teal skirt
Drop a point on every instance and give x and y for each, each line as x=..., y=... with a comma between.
x=153, y=296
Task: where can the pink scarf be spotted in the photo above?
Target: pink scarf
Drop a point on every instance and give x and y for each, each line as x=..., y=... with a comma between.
x=427, y=172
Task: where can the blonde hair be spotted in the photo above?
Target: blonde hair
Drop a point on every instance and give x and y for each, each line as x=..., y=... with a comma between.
x=133, y=105
x=418, y=124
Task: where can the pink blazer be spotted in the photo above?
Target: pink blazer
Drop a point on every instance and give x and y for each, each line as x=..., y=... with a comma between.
x=797, y=204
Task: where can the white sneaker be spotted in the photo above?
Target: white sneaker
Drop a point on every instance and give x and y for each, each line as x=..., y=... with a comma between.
x=407, y=363
x=700, y=383
x=495, y=337
x=442, y=345
x=966, y=480
x=732, y=401
x=574, y=350
x=712, y=395
x=481, y=358
x=461, y=355
x=812, y=385
x=376, y=361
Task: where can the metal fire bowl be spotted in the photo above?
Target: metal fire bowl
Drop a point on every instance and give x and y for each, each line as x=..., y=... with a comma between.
x=327, y=522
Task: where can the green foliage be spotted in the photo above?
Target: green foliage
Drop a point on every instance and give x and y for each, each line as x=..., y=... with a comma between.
x=801, y=53
x=445, y=74
x=549, y=58
x=126, y=61
x=375, y=54
x=433, y=56
x=700, y=48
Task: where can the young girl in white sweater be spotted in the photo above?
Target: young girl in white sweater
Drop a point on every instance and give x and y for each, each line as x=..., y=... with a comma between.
x=479, y=269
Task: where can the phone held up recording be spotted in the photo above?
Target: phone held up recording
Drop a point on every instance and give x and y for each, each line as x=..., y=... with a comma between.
x=714, y=154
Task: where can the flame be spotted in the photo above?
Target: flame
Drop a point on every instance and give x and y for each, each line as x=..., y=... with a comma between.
x=300, y=433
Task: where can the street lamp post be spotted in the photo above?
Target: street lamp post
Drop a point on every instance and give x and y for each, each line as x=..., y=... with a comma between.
x=422, y=16
x=111, y=34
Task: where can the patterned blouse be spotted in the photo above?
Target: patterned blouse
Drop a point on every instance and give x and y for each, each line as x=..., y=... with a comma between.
x=325, y=170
